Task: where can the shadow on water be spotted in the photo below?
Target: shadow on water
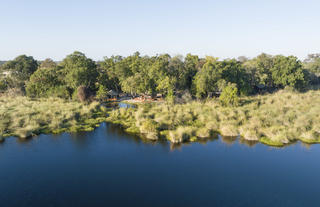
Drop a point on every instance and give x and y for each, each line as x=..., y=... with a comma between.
x=120, y=133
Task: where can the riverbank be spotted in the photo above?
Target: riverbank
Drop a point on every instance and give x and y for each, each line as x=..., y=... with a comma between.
x=24, y=117
x=275, y=119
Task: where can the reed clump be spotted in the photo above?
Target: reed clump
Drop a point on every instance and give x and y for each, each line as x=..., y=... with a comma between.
x=274, y=119
x=24, y=117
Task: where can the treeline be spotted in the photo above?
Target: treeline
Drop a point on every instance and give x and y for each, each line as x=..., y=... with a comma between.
x=145, y=75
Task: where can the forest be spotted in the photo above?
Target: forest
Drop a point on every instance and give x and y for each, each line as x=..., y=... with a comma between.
x=161, y=74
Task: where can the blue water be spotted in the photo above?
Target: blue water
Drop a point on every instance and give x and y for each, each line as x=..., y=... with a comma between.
x=109, y=168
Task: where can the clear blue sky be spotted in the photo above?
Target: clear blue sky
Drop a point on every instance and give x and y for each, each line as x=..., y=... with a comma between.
x=224, y=28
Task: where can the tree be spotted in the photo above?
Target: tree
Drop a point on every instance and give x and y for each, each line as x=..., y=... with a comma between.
x=232, y=71
x=20, y=69
x=205, y=80
x=209, y=78
x=48, y=63
x=136, y=75
x=46, y=82
x=259, y=69
x=288, y=71
x=79, y=71
x=177, y=70
x=192, y=65
x=312, y=65
x=108, y=74
x=242, y=59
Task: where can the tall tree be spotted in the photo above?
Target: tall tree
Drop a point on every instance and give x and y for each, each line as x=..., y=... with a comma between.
x=288, y=71
x=48, y=63
x=20, y=69
x=79, y=71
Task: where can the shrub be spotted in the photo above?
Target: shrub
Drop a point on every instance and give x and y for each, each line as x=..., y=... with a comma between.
x=83, y=94
x=149, y=128
x=181, y=134
x=41, y=82
x=229, y=95
x=170, y=97
x=3, y=86
x=60, y=92
x=102, y=93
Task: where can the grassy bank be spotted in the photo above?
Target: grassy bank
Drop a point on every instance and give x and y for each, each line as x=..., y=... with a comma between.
x=24, y=117
x=275, y=119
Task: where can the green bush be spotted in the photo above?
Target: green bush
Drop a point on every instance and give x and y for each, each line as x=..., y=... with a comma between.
x=102, y=93
x=149, y=128
x=42, y=82
x=229, y=95
x=3, y=85
x=60, y=92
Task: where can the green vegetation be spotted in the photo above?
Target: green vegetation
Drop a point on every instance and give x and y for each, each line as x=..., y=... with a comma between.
x=161, y=74
x=58, y=88
x=229, y=95
x=24, y=117
x=274, y=119
x=19, y=71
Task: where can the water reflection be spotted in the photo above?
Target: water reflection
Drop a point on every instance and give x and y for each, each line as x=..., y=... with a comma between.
x=248, y=143
x=108, y=165
x=81, y=139
x=306, y=145
x=228, y=139
x=25, y=140
x=2, y=142
x=126, y=105
x=117, y=133
x=119, y=105
x=121, y=134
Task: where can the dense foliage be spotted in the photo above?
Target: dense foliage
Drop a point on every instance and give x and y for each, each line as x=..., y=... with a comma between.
x=20, y=70
x=160, y=74
x=229, y=95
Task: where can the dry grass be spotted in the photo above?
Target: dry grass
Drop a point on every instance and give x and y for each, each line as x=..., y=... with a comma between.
x=24, y=117
x=275, y=119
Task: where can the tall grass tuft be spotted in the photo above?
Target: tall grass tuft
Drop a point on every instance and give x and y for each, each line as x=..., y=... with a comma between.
x=24, y=117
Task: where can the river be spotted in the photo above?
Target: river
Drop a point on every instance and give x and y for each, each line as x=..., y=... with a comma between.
x=107, y=167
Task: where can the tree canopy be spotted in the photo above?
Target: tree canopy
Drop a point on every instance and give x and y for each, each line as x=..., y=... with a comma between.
x=20, y=69
x=79, y=71
x=164, y=74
